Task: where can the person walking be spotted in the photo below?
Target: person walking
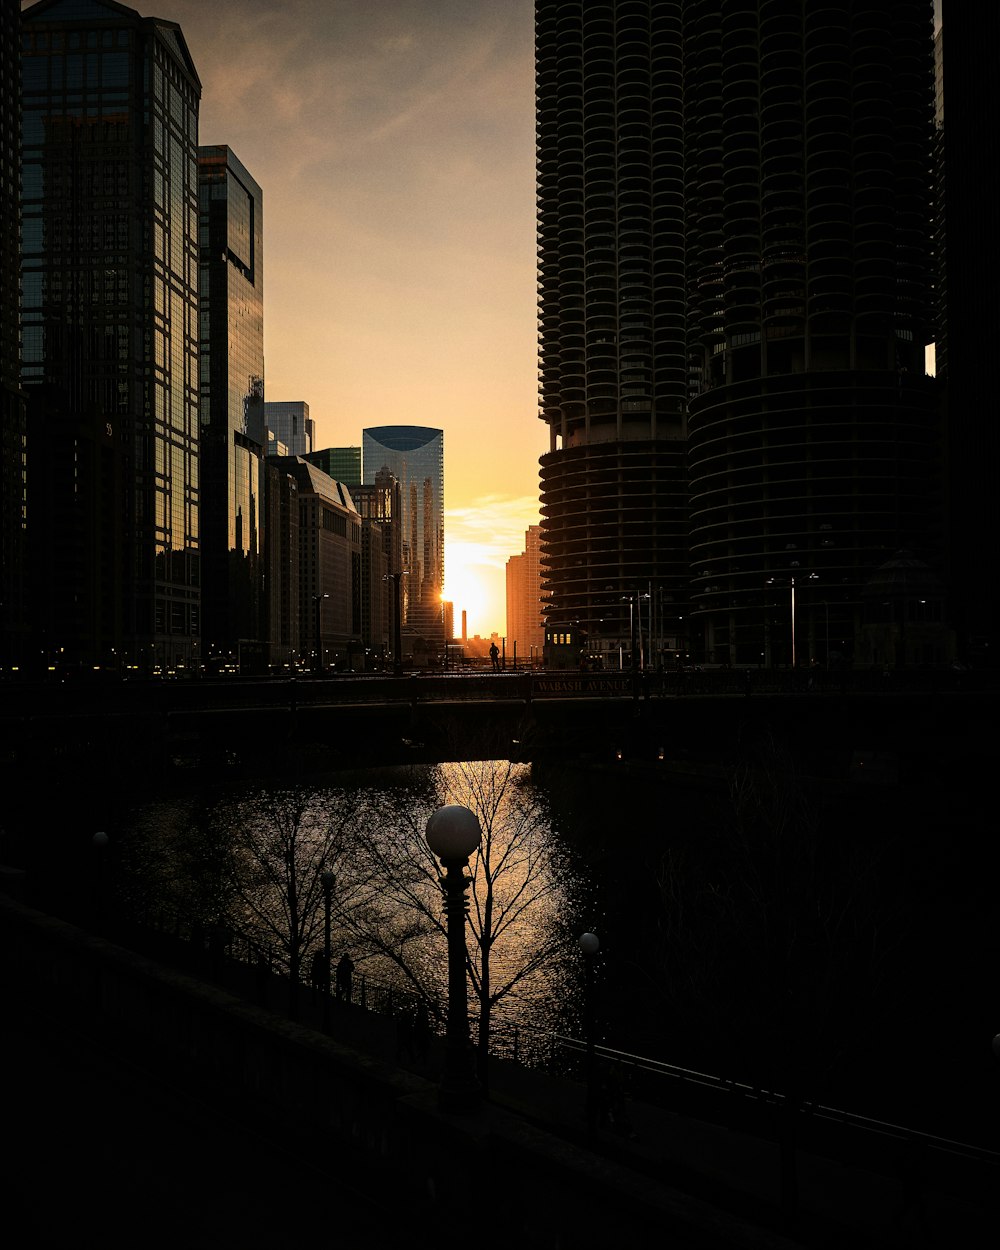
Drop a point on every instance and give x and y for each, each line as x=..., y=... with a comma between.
x=345, y=977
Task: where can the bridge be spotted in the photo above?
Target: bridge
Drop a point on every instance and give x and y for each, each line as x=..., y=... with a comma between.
x=357, y=720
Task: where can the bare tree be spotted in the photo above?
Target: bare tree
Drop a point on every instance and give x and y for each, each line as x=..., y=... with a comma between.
x=277, y=844
x=519, y=896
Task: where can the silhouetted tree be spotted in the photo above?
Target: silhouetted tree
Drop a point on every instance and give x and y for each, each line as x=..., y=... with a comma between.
x=275, y=846
x=518, y=900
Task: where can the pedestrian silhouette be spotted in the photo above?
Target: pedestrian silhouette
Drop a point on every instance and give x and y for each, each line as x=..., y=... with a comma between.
x=345, y=977
x=495, y=656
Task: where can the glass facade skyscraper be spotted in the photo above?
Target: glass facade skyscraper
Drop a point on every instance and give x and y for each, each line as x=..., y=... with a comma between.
x=232, y=402
x=343, y=464
x=414, y=455
x=290, y=429
x=110, y=331
x=12, y=430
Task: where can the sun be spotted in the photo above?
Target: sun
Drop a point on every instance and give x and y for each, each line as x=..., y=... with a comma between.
x=467, y=585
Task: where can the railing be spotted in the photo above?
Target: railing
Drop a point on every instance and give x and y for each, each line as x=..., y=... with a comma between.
x=755, y=1109
x=858, y=1139
x=526, y=686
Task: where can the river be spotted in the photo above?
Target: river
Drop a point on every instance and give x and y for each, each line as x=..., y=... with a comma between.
x=756, y=923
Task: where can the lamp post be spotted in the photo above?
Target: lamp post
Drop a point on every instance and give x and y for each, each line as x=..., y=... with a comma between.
x=775, y=580
x=590, y=944
x=453, y=834
x=317, y=604
x=327, y=880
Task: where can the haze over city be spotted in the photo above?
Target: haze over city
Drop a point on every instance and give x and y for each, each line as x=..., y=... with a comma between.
x=394, y=144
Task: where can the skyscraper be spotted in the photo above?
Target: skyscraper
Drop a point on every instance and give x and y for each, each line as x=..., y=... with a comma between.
x=734, y=236
x=110, y=315
x=525, y=627
x=613, y=369
x=969, y=226
x=232, y=403
x=290, y=425
x=343, y=464
x=414, y=455
x=814, y=433
x=12, y=431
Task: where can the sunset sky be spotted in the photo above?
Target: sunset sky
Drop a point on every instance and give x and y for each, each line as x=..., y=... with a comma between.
x=394, y=142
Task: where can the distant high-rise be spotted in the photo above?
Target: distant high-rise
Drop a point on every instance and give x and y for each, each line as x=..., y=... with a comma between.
x=735, y=264
x=110, y=334
x=232, y=403
x=414, y=455
x=525, y=625
x=329, y=550
x=12, y=429
x=343, y=464
x=289, y=423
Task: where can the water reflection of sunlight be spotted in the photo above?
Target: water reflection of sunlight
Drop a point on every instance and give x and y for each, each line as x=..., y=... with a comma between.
x=227, y=855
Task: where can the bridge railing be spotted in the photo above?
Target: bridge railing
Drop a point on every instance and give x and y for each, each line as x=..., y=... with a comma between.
x=238, y=694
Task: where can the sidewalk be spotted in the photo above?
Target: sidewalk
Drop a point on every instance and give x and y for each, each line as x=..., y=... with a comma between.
x=839, y=1204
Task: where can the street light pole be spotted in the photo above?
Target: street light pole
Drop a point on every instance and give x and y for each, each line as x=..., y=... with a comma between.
x=590, y=944
x=327, y=880
x=453, y=834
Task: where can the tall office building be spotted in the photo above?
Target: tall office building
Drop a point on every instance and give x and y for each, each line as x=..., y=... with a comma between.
x=613, y=368
x=414, y=455
x=525, y=624
x=329, y=548
x=343, y=464
x=233, y=438
x=969, y=278
x=12, y=431
x=110, y=334
x=290, y=425
x=734, y=210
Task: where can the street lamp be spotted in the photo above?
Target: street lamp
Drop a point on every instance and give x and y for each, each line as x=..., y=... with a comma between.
x=771, y=581
x=453, y=834
x=590, y=944
x=327, y=880
x=317, y=603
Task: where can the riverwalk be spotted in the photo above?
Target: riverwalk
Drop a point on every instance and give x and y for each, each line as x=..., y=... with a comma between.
x=126, y=1154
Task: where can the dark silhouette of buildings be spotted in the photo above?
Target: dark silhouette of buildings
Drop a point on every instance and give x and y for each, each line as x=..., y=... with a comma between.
x=12, y=426
x=735, y=288
x=110, y=336
x=613, y=370
x=968, y=230
x=233, y=438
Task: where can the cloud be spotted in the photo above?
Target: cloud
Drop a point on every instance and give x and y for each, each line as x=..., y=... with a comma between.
x=490, y=529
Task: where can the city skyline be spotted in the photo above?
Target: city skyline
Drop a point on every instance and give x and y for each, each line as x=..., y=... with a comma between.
x=398, y=168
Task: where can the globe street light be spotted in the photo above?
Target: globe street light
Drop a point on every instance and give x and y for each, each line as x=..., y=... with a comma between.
x=590, y=944
x=453, y=834
x=327, y=880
